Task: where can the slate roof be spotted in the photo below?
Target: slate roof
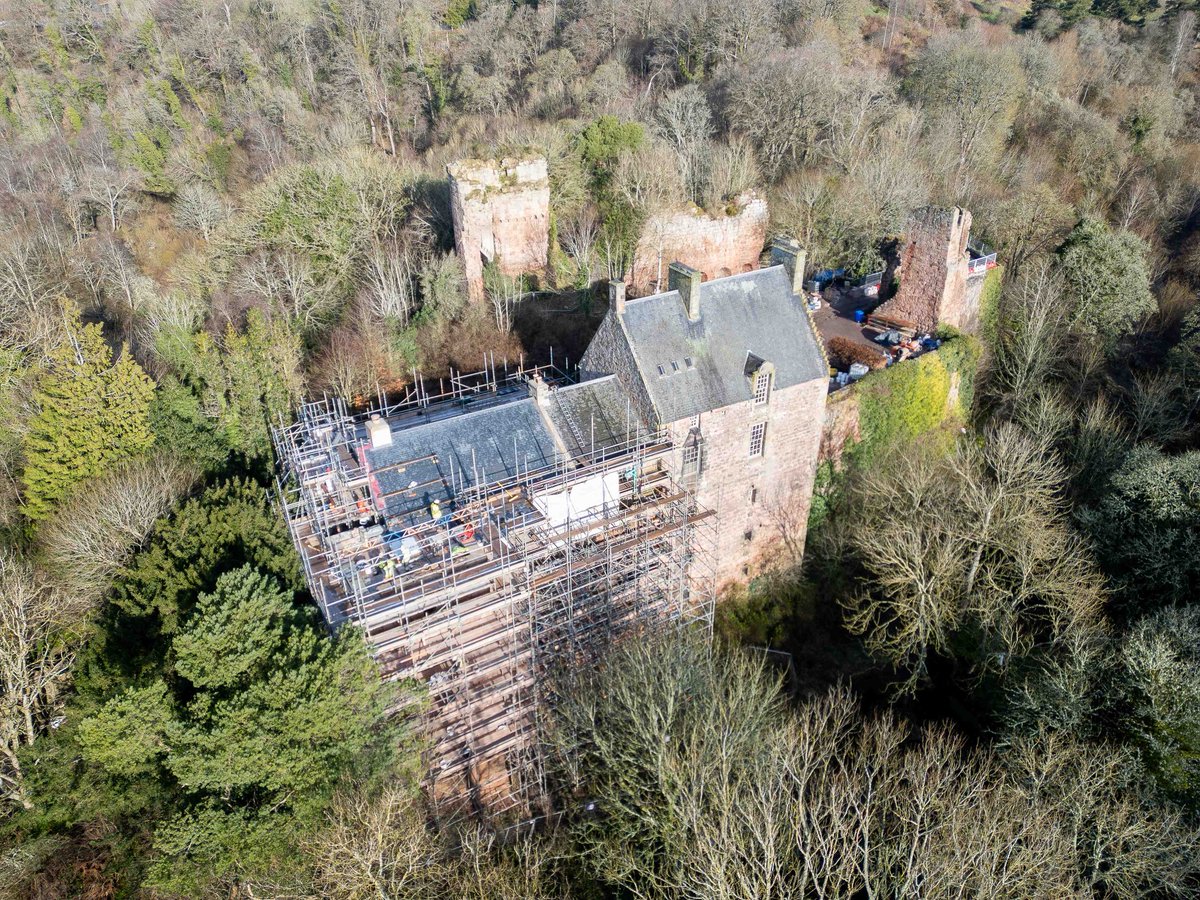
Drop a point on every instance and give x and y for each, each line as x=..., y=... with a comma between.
x=505, y=438
x=754, y=313
x=594, y=413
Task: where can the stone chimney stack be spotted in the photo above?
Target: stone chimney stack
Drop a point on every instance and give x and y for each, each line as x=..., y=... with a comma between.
x=686, y=280
x=616, y=296
x=787, y=252
x=541, y=390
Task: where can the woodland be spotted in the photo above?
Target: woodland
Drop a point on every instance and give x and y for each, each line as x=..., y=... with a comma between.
x=985, y=668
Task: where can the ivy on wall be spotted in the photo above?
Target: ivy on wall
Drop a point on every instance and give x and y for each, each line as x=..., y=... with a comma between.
x=914, y=397
x=989, y=303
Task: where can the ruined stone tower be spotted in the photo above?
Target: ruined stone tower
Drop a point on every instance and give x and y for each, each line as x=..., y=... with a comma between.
x=501, y=213
x=934, y=268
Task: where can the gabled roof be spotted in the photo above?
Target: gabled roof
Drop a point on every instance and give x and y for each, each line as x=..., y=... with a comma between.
x=487, y=444
x=705, y=362
x=593, y=415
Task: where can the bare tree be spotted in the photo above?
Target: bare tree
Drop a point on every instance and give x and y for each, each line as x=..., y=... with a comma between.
x=580, y=235
x=99, y=526
x=32, y=278
x=971, y=91
x=1184, y=40
x=705, y=786
x=505, y=293
x=126, y=290
x=199, y=208
x=392, y=271
x=377, y=846
x=977, y=540
x=109, y=184
x=39, y=630
x=648, y=179
x=287, y=281
x=732, y=170
x=684, y=121
x=784, y=104
x=366, y=40
x=1030, y=344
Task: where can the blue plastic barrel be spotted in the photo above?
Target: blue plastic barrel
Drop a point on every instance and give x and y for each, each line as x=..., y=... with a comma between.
x=859, y=315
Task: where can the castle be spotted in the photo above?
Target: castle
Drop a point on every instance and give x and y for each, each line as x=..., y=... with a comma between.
x=492, y=530
x=733, y=370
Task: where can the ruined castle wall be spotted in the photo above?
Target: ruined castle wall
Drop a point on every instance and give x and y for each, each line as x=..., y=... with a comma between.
x=842, y=428
x=965, y=315
x=501, y=213
x=717, y=246
x=842, y=422
x=933, y=270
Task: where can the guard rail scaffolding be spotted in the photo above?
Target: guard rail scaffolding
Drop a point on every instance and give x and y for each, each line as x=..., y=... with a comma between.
x=484, y=606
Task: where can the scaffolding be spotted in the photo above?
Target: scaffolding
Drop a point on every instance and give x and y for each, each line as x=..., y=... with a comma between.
x=485, y=603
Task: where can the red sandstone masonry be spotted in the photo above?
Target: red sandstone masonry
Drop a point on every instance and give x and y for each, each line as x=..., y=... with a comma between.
x=933, y=271
x=717, y=246
x=756, y=498
x=501, y=212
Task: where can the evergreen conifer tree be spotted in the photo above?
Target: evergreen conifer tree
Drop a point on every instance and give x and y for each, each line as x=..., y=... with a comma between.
x=93, y=411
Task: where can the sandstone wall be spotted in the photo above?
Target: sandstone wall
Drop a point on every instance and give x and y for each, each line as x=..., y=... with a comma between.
x=761, y=502
x=965, y=315
x=933, y=269
x=501, y=212
x=717, y=246
x=841, y=424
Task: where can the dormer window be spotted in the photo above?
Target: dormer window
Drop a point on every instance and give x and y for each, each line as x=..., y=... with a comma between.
x=759, y=374
x=762, y=387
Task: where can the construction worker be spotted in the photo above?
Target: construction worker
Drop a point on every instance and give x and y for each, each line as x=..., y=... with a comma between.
x=435, y=511
x=389, y=569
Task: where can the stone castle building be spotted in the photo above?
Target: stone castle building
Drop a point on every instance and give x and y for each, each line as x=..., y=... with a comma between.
x=940, y=277
x=486, y=536
x=501, y=212
x=734, y=370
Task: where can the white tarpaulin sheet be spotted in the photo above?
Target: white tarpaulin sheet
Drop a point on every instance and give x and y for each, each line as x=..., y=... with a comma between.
x=587, y=499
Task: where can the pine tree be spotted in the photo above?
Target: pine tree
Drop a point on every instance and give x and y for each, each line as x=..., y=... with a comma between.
x=93, y=412
x=243, y=740
x=243, y=383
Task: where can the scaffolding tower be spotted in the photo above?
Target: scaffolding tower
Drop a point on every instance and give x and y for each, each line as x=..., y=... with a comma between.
x=483, y=605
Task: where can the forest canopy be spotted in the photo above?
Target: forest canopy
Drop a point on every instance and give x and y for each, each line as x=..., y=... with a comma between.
x=990, y=681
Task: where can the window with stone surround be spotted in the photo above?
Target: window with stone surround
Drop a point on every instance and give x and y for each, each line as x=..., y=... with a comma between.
x=758, y=438
x=692, y=454
x=762, y=388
